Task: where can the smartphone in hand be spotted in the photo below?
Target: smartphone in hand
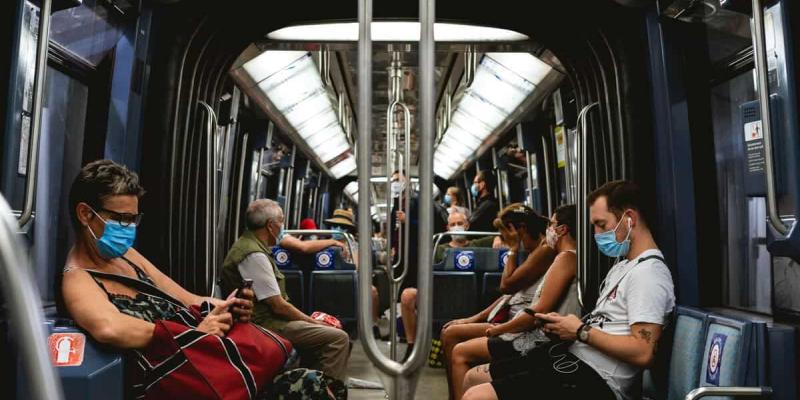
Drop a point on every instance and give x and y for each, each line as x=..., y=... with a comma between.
x=246, y=284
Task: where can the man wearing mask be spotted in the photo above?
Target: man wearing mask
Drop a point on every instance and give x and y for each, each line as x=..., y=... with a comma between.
x=399, y=182
x=456, y=222
x=610, y=347
x=320, y=346
x=487, y=205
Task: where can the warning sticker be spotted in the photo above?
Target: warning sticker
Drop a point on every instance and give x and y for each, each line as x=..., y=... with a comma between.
x=66, y=349
x=715, y=359
x=754, y=147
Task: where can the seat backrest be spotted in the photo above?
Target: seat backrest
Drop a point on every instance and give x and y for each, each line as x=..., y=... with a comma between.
x=283, y=257
x=726, y=352
x=331, y=259
x=687, y=341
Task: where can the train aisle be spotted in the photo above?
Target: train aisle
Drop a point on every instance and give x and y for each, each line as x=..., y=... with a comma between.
x=432, y=384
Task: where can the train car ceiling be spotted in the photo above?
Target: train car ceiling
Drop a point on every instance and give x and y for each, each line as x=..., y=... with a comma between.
x=488, y=79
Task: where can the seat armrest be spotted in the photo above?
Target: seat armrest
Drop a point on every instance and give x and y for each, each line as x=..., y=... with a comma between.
x=736, y=391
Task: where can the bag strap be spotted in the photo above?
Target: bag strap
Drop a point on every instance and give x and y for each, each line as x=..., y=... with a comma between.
x=140, y=286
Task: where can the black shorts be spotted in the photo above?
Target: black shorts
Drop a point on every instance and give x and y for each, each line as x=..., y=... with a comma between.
x=500, y=349
x=549, y=371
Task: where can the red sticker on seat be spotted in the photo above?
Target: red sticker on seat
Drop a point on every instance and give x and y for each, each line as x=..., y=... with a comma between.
x=66, y=349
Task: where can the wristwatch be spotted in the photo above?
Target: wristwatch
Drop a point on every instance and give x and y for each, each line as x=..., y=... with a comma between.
x=583, y=333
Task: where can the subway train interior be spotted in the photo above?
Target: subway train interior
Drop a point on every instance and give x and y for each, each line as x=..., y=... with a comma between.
x=394, y=118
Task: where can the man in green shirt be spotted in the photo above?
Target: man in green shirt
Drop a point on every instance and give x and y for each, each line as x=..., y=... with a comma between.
x=320, y=346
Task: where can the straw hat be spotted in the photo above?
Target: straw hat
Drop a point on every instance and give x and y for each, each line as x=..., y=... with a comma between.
x=341, y=217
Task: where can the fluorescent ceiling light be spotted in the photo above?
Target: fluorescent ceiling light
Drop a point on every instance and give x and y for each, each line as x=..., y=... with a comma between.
x=291, y=82
x=343, y=167
x=502, y=82
x=382, y=179
x=395, y=31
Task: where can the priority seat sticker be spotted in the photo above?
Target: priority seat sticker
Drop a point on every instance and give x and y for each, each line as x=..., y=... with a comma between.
x=715, y=353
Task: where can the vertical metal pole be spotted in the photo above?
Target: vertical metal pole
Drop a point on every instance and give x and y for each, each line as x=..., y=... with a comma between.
x=760, y=56
x=530, y=176
x=468, y=195
x=403, y=384
x=24, y=309
x=238, y=199
x=547, y=166
x=427, y=124
x=39, y=81
x=583, y=188
x=569, y=173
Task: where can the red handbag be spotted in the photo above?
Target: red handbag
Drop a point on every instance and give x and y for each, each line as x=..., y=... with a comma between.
x=181, y=362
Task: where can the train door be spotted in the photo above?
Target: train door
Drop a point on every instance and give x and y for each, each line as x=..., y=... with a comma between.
x=746, y=233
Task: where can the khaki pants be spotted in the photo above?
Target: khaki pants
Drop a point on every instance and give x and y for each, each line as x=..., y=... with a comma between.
x=320, y=346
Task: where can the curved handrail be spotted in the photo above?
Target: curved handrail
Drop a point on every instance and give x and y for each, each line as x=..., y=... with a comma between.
x=766, y=125
x=546, y=156
x=211, y=195
x=25, y=310
x=438, y=237
x=401, y=372
x=583, y=185
x=42, y=44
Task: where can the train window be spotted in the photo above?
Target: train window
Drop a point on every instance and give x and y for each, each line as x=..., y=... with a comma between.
x=89, y=31
x=747, y=272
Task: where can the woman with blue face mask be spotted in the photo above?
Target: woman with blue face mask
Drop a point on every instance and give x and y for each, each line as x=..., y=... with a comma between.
x=104, y=206
x=452, y=200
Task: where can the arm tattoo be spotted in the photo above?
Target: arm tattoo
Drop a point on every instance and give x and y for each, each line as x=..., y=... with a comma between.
x=646, y=335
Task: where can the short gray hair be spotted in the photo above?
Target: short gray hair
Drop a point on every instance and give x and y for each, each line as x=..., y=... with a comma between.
x=260, y=211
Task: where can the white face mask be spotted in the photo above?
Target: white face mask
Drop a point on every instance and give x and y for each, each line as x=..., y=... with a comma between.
x=458, y=238
x=397, y=187
x=551, y=237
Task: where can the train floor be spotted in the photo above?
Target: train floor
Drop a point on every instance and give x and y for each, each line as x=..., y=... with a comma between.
x=432, y=383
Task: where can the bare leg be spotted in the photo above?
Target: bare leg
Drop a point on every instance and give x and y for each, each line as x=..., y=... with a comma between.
x=465, y=355
x=408, y=309
x=454, y=335
x=481, y=392
x=376, y=306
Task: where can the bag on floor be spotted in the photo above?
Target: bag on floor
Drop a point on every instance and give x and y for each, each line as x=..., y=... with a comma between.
x=306, y=384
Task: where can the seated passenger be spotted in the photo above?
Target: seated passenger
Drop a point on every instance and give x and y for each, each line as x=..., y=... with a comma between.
x=342, y=221
x=518, y=280
x=601, y=357
x=556, y=291
x=452, y=199
x=320, y=346
x=104, y=208
x=310, y=245
x=456, y=222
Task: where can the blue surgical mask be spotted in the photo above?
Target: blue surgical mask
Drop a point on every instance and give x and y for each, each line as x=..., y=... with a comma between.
x=607, y=241
x=447, y=199
x=340, y=235
x=116, y=239
x=279, y=237
x=474, y=190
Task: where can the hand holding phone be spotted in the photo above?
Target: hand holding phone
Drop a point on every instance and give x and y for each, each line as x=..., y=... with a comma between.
x=242, y=307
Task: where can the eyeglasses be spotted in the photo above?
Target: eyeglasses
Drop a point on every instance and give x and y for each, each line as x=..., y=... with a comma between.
x=124, y=219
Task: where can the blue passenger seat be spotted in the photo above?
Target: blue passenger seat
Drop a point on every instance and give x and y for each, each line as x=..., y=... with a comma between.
x=333, y=288
x=455, y=285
